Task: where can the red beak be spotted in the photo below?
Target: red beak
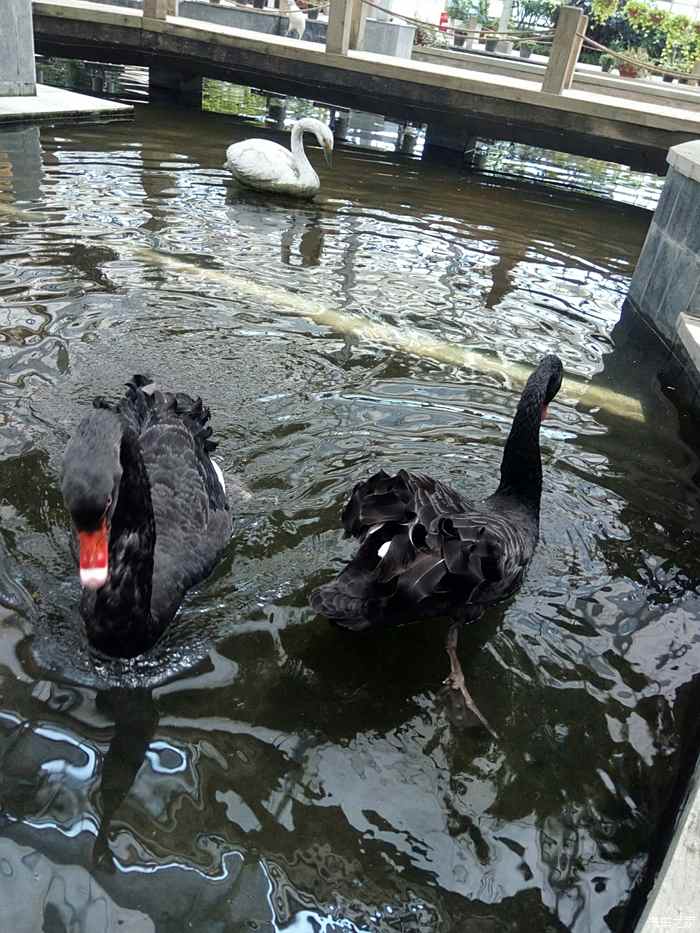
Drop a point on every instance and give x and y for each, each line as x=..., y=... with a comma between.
x=94, y=556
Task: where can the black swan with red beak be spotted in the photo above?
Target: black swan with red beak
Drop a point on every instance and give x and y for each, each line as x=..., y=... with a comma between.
x=149, y=509
x=425, y=551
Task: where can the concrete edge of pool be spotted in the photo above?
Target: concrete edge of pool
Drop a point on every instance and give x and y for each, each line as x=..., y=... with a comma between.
x=673, y=903
x=52, y=103
x=665, y=292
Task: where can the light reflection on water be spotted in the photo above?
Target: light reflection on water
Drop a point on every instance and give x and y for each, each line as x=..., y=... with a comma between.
x=261, y=770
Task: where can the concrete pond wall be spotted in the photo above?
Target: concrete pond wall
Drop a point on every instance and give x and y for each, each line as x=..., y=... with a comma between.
x=665, y=293
x=666, y=282
x=665, y=287
x=17, y=75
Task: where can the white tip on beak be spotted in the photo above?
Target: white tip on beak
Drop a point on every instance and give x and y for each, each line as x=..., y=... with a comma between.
x=93, y=578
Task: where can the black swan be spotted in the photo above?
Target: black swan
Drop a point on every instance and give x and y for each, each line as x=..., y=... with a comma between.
x=149, y=509
x=425, y=551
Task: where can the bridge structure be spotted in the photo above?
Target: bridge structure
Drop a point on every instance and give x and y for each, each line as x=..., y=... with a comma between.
x=457, y=105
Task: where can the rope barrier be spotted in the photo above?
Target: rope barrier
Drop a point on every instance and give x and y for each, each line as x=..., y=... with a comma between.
x=516, y=35
x=540, y=38
x=630, y=59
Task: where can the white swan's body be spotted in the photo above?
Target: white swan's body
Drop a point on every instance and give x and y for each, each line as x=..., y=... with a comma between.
x=267, y=166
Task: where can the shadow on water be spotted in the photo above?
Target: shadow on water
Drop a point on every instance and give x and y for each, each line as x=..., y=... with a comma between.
x=261, y=769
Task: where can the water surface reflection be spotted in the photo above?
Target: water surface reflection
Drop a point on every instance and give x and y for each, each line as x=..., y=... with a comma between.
x=261, y=770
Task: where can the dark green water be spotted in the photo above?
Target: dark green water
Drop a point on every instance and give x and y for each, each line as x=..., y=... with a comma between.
x=262, y=770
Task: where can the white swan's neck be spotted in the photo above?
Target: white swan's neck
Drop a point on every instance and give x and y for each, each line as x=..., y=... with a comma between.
x=305, y=168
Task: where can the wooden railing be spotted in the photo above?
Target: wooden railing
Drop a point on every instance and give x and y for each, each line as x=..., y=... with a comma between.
x=346, y=27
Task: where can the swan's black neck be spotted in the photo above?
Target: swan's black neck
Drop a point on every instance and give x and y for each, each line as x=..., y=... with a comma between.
x=118, y=615
x=521, y=467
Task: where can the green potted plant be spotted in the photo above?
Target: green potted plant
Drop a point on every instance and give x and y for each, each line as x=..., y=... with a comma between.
x=526, y=48
x=607, y=62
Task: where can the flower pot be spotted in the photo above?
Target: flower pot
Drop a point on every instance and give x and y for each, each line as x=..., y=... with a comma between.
x=627, y=70
x=525, y=53
x=668, y=79
x=491, y=45
x=606, y=67
x=459, y=39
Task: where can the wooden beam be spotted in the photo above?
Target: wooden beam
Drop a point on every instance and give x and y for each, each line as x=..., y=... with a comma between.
x=566, y=48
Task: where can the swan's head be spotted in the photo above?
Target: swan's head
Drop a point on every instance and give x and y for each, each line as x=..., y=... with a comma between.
x=92, y=475
x=322, y=134
x=325, y=138
x=550, y=372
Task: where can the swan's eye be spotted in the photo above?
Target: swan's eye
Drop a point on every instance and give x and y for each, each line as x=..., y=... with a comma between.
x=109, y=502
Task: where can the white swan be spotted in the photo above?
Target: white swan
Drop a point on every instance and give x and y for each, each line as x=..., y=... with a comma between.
x=267, y=166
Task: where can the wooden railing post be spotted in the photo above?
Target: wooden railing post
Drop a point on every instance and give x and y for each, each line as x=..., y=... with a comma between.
x=159, y=9
x=156, y=9
x=358, y=20
x=339, y=23
x=566, y=47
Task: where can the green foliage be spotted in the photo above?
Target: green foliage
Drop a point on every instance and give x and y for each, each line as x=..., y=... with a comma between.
x=602, y=10
x=467, y=9
x=671, y=38
x=531, y=13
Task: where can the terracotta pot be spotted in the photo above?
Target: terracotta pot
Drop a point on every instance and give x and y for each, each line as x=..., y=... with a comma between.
x=627, y=70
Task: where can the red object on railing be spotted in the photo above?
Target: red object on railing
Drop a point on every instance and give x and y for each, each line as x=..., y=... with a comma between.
x=443, y=21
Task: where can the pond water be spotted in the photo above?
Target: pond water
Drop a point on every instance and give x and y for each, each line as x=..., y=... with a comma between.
x=261, y=770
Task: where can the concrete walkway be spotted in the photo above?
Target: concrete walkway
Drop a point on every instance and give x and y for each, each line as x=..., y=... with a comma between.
x=51, y=103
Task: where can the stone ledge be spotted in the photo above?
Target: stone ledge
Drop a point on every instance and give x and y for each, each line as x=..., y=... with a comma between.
x=685, y=158
x=689, y=336
x=55, y=103
x=673, y=905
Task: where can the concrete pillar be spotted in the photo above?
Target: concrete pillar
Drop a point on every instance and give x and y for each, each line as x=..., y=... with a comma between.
x=566, y=47
x=339, y=23
x=277, y=110
x=17, y=70
x=339, y=124
x=666, y=280
x=184, y=85
x=449, y=141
